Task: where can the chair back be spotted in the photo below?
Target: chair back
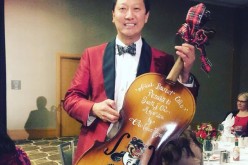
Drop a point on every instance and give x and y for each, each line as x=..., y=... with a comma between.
x=66, y=152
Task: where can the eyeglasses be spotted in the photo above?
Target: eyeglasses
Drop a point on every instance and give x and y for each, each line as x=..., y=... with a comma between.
x=241, y=101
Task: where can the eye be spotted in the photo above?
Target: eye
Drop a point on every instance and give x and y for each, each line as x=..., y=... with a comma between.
x=136, y=9
x=122, y=9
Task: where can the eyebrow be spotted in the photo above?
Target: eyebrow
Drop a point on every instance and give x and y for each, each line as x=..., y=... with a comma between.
x=242, y=100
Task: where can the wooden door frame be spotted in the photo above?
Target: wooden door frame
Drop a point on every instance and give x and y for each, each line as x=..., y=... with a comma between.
x=59, y=57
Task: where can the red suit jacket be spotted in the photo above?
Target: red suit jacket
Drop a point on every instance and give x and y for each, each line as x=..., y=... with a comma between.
x=95, y=79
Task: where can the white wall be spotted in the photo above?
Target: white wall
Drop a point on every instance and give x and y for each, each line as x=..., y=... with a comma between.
x=35, y=31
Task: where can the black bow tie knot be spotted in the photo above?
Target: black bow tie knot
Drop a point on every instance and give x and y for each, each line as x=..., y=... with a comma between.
x=131, y=49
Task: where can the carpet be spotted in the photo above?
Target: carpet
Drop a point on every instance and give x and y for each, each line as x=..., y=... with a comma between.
x=43, y=151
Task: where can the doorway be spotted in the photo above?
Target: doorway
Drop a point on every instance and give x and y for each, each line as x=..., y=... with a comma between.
x=66, y=67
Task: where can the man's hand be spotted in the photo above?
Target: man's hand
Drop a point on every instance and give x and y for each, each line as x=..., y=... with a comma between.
x=106, y=110
x=187, y=53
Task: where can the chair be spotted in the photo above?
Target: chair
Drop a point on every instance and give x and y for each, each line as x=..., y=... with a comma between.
x=74, y=144
x=66, y=152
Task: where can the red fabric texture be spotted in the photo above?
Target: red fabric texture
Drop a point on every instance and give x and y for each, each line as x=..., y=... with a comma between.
x=19, y=157
x=193, y=33
x=242, y=121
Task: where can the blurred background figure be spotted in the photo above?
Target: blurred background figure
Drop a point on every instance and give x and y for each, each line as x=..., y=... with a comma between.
x=240, y=126
x=40, y=118
x=10, y=154
x=237, y=120
x=184, y=150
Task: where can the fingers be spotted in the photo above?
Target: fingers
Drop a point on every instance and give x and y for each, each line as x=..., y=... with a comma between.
x=187, y=53
x=106, y=117
x=106, y=110
x=111, y=103
x=103, y=117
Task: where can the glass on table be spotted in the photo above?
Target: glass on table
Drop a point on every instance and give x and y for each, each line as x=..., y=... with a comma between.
x=220, y=128
x=208, y=148
x=238, y=130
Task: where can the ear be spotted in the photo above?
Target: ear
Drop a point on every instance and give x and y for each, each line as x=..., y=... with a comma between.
x=113, y=16
x=146, y=17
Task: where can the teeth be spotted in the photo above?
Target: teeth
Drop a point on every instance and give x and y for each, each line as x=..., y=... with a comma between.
x=129, y=24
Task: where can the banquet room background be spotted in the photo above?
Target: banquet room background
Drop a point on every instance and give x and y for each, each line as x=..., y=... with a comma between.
x=33, y=32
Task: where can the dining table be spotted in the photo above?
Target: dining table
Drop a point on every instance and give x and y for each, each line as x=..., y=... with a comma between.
x=227, y=146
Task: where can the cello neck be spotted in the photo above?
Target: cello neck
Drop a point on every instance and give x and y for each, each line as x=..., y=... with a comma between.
x=175, y=71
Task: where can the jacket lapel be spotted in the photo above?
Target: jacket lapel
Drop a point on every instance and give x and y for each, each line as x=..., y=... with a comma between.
x=145, y=59
x=109, y=69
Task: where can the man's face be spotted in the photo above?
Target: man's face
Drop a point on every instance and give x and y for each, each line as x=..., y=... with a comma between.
x=129, y=17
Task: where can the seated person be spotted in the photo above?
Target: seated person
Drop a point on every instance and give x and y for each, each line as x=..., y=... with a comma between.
x=240, y=115
x=186, y=150
x=11, y=154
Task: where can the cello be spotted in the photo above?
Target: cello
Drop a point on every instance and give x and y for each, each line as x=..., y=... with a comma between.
x=155, y=109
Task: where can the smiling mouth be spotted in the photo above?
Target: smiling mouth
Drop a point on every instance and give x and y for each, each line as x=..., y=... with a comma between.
x=129, y=24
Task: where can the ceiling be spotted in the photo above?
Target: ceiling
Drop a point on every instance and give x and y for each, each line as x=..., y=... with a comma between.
x=227, y=3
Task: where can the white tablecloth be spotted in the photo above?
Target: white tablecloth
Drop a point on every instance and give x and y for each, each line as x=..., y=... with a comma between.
x=228, y=146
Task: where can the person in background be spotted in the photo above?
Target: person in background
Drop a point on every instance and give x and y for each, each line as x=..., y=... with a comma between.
x=237, y=121
x=106, y=71
x=184, y=150
x=240, y=126
x=10, y=154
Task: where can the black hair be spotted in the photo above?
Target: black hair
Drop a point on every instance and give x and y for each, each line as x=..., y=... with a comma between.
x=7, y=145
x=172, y=151
x=146, y=2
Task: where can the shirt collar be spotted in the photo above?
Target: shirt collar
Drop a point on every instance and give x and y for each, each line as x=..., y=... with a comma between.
x=119, y=42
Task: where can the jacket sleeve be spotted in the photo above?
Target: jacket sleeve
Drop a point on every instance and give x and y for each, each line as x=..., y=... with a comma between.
x=76, y=102
x=194, y=90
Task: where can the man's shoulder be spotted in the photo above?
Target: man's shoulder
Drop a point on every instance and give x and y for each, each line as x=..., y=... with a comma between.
x=97, y=47
x=92, y=51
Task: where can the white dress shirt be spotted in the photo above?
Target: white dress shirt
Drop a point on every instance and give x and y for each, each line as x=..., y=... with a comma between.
x=125, y=68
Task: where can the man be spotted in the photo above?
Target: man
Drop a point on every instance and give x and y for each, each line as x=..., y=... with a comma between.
x=104, y=74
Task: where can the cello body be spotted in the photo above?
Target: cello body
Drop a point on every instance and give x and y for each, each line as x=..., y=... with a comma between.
x=155, y=110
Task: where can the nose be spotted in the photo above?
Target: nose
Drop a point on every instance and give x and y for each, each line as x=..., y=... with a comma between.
x=129, y=14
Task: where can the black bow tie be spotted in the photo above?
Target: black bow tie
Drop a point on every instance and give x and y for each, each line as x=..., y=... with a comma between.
x=131, y=49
